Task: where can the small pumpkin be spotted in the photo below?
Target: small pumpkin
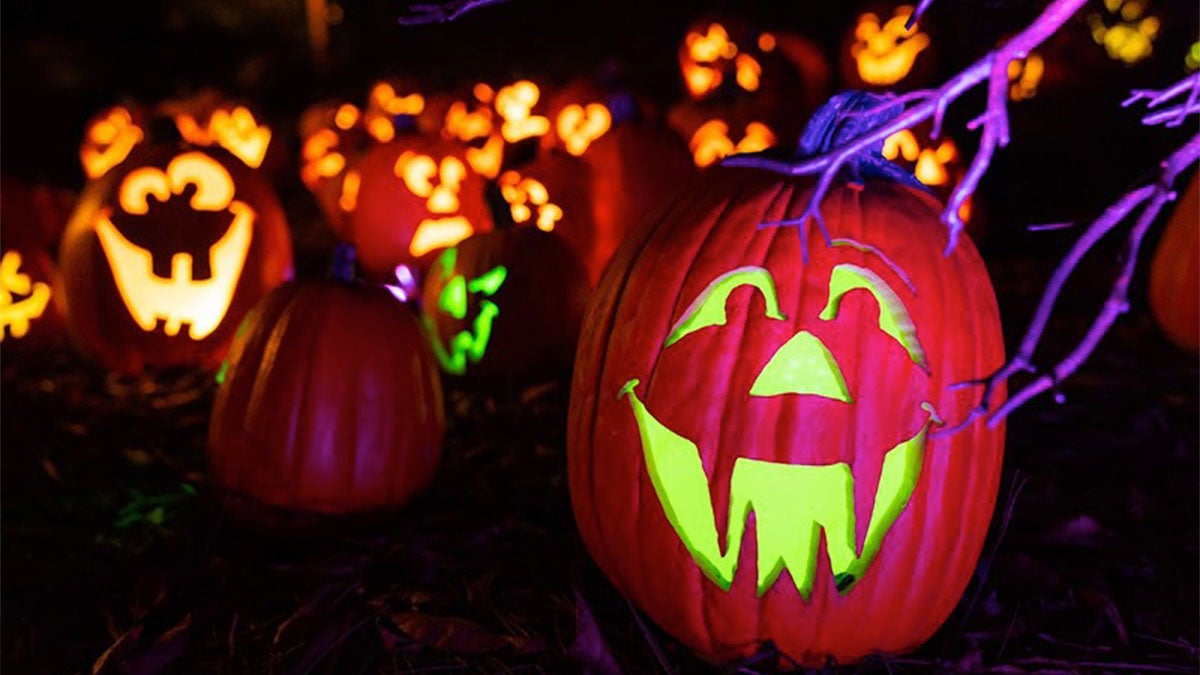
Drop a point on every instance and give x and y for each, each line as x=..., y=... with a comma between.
x=415, y=194
x=504, y=307
x=329, y=403
x=166, y=252
x=721, y=373
x=1175, y=273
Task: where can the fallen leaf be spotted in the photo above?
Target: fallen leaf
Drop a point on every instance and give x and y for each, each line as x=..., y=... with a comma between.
x=452, y=634
x=589, y=648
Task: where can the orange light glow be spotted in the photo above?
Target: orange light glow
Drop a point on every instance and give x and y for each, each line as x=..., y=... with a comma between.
x=320, y=159
x=524, y=195
x=466, y=125
x=1024, y=76
x=381, y=128
x=417, y=172
x=931, y=164
x=711, y=46
x=700, y=79
x=179, y=299
x=901, y=144
x=108, y=142
x=1131, y=38
x=439, y=233
x=514, y=103
x=885, y=54
x=578, y=126
x=483, y=93
x=346, y=117
x=383, y=97
x=766, y=42
x=348, y=200
x=237, y=131
x=486, y=161
x=710, y=142
x=748, y=72
x=16, y=314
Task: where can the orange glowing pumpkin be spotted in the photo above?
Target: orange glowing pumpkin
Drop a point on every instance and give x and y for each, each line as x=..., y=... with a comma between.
x=882, y=53
x=333, y=140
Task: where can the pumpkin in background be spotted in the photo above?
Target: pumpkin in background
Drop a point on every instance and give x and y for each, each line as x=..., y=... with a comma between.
x=33, y=214
x=165, y=254
x=333, y=140
x=1175, y=273
x=936, y=164
x=29, y=312
x=329, y=402
x=415, y=194
x=720, y=373
x=881, y=53
x=636, y=163
x=392, y=108
x=504, y=307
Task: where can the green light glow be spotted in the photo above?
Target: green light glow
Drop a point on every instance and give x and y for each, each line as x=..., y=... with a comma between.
x=447, y=260
x=708, y=309
x=1192, y=60
x=893, y=316
x=791, y=502
x=489, y=282
x=223, y=372
x=803, y=365
x=468, y=345
x=453, y=299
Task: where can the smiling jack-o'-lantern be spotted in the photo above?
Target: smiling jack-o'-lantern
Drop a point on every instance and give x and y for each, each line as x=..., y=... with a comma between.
x=722, y=373
x=882, y=51
x=504, y=307
x=334, y=138
x=170, y=239
x=413, y=195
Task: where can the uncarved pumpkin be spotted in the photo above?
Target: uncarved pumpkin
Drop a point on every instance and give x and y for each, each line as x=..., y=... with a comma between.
x=330, y=402
x=1175, y=273
x=719, y=374
x=166, y=252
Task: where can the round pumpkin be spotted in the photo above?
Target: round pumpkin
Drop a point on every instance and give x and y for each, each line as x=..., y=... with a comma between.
x=1175, y=273
x=504, y=307
x=721, y=373
x=165, y=253
x=415, y=194
x=329, y=403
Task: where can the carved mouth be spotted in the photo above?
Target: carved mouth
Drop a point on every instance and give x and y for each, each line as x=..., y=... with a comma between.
x=178, y=299
x=792, y=504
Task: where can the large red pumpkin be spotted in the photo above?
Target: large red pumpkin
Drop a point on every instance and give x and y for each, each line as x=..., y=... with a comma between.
x=329, y=403
x=721, y=375
x=164, y=255
x=1175, y=273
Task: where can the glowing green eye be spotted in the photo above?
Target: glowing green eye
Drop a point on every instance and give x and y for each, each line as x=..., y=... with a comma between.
x=453, y=299
x=489, y=282
x=803, y=365
x=708, y=309
x=893, y=316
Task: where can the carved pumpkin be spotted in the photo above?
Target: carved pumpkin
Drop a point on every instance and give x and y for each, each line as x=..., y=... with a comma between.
x=937, y=164
x=330, y=402
x=1175, y=273
x=210, y=119
x=29, y=313
x=720, y=374
x=165, y=254
x=334, y=138
x=881, y=53
x=636, y=164
x=415, y=194
x=504, y=307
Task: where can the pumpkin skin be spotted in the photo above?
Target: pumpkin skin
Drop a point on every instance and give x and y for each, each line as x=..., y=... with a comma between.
x=1175, y=273
x=390, y=224
x=523, y=321
x=333, y=141
x=330, y=402
x=697, y=388
x=100, y=313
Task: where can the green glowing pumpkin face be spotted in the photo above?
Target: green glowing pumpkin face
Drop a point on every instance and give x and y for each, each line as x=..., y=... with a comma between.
x=791, y=502
x=469, y=344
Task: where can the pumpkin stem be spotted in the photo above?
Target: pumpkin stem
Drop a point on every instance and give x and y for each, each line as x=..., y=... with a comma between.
x=501, y=212
x=850, y=115
x=343, y=266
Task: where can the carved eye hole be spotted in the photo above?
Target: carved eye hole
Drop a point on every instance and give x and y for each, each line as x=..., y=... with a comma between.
x=214, y=185
x=708, y=309
x=894, y=319
x=803, y=365
x=417, y=172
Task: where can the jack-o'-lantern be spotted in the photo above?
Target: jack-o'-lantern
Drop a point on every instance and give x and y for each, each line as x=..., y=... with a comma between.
x=727, y=368
x=29, y=313
x=1175, y=273
x=387, y=102
x=937, y=164
x=710, y=142
x=334, y=137
x=166, y=252
x=330, y=403
x=1126, y=29
x=503, y=308
x=413, y=195
x=882, y=52
x=636, y=162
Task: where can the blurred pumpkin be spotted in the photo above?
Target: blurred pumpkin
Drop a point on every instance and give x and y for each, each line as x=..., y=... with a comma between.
x=1175, y=273
x=172, y=236
x=503, y=308
x=881, y=52
x=329, y=402
x=209, y=118
x=29, y=312
x=333, y=140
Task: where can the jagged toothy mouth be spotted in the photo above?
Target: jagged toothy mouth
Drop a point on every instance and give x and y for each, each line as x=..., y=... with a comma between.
x=792, y=503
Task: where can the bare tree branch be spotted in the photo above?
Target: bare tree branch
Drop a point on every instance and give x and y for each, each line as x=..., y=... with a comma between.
x=441, y=12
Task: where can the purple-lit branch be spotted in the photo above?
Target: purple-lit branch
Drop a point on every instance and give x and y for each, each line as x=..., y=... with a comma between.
x=1174, y=115
x=440, y=12
x=922, y=106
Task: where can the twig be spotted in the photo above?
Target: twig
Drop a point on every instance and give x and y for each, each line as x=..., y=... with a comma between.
x=441, y=12
x=932, y=104
x=1172, y=116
